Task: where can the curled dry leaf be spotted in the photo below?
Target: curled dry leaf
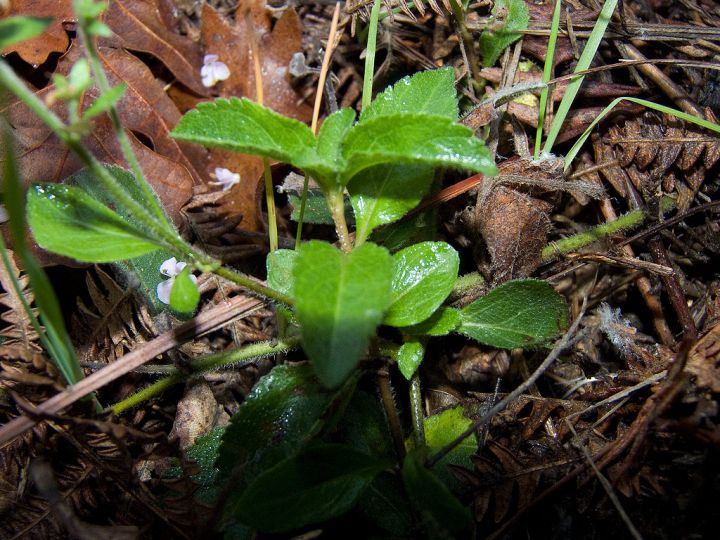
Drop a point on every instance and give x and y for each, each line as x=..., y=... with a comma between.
x=197, y=412
x=704, y=360
x=54, y=39
x=143, y=26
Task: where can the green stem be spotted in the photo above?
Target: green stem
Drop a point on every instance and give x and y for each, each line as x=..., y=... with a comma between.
x=478, y=81
x=249, y=283
x=416, y=411
x=104, y=86
x=301, y=217
x=208, y=363
x=336, y=203
x=547, y=73
x=580, y=240
x=370, y=56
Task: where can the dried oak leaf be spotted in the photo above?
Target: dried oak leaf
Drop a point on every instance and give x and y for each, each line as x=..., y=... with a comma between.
x=142, y=25
x=276, y=46
x=54, y=39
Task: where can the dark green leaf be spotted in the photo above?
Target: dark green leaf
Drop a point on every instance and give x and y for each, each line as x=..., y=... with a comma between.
x=494, y=42
x=409, y=357
x=423, y=277
x=429, y=92
x=364, y=427
x=184, y=296
x=204, y=452
x=385, y=193
x=386, y=505
x=244, y=126
x=440, y=323
x=16, y=29
x=332, y=134
x=340, y=299
x=66, y=220
x=414, y=139
x=418, y=228
x=315, y=485
x=520, y=313
x=431, y=496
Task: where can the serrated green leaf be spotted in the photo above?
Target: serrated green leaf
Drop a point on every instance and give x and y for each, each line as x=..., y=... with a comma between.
x=332, y=134
x=409, y=357
x=385, y=193
x=16, y=29
x=315, y=485
x=423, y=277
x=414, y=139
x=244, y=126
x=494, y=42
x=429, y=92
x=440, y=323
x=204, y=452
x=340, y=299
x=105, y=102
x=431, y=496
x=184, y=296
x=520, y=313
x=66, y=220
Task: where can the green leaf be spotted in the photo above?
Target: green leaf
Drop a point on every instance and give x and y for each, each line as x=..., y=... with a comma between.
x=494, y=42
x=364, y=427
x=315, y=485
x=429, y=92
x=16, y=29
x=66, y=220
x=418, y=228
x=184, y=296
x=385, y=193
x=409, y=357
x=244, y=126
x=520, y=313
x=414, y=139
x=105, y=101
x=423, y=277
x=279, y=264
x=440, y=323
x=205, y=452
x=340, y=299
x=386, y=505
x=432, y=497
x=332, y=134
x=442, y=429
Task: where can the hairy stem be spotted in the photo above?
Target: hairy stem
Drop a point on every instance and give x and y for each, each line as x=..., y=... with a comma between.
x=416, y=411
x=336, y=203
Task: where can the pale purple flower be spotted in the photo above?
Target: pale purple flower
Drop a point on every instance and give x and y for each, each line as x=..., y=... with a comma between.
x=226, y=178
x=170, y=268
x=213, y=70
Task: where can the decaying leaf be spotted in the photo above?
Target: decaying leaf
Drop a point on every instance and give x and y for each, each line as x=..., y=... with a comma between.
x=17, y=328
x=54, y=39
x=704, y=360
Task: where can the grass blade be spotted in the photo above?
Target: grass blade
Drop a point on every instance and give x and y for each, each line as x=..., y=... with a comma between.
x=547, y=73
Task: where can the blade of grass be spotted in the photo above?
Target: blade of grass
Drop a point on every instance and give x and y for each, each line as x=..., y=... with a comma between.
x=547, y=73
x=58, y=343
x=586, y=58
x=649, y=104
x=370, y=55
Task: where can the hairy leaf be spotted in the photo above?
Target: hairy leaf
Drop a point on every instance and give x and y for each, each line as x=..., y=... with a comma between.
x=279, y=265
x=66, y=220
x=340, y=299
x=385, y=193
x=423, y=276
x=332, y=134
x=494, y=42
x=520, y=313
x=414, y=139
x=429, y=92
x=442, y=429
x=315, y=485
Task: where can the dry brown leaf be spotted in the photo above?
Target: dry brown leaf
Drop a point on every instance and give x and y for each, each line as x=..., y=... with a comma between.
x=54, y=39
x=141, y=25
x=230, y=42
x=704, y=360
x=18, y=329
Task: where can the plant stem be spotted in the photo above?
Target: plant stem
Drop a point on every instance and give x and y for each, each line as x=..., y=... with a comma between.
x=301, y=216
x=370, y=56
x=270, y=200
x=388, y=401
x=478, y=81
x=336, y=203
x=416, y=411
x=104, y=86
x=214, y=361
x=252, y=285
x=547, y=74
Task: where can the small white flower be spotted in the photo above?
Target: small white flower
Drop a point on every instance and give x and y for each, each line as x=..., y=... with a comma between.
x=213, y=70
x=226, y=178
x=170, y=268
